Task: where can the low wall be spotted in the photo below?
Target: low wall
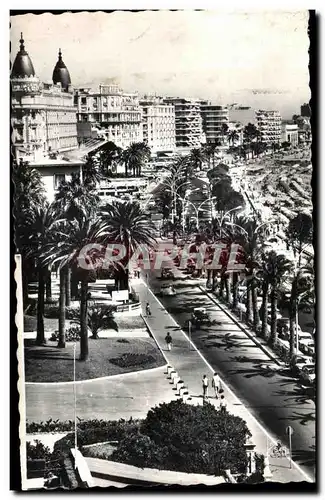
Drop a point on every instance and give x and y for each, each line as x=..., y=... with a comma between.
x=129, y=474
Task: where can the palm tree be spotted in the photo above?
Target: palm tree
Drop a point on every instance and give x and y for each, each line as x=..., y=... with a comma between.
x=224, y=131
x=74, y=199
x=210, y=150
x=163, y=200
x=247, y=233
x=91, y=172
x=233, y=136
x=39, y=223
x=109, y=156
x=135, y=156
x=277, y=266
x=197, y=157
x=29, y=193
x=300, y=233
x=98, y=318
x=251, y=133
x=72, y=238
x=302, y=286
x=126, y=224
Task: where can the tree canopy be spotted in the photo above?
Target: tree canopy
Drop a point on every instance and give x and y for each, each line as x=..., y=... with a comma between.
x=187, y=438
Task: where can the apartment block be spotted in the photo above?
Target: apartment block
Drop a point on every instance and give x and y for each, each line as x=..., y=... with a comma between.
x=269, y=123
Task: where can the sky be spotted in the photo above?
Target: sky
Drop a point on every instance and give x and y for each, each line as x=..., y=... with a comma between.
x=257, y=58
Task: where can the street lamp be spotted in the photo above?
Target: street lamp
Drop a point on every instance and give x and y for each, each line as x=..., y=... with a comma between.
x=198, y=209
x=174, y=190
x=223, y=217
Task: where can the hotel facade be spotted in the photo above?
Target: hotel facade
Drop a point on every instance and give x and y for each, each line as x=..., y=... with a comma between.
x=43, y=115
x=109, y=113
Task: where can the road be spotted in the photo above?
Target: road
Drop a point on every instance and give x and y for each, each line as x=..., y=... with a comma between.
x=274, y=397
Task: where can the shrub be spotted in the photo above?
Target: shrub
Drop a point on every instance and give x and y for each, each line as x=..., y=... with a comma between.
x=114, y=429
x=186, y=438
x=38, y=457
x=52, y=311
x=139, y=450
x=37, y=451
x=132, y=359
x=72, y=334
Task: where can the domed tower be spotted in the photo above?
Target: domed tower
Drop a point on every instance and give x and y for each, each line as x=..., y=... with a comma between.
x=61, y=73
x=23, y=66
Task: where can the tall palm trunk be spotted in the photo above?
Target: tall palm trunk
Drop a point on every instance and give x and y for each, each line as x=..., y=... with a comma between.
x=214, y=280
x=249, y=317
x=74, y=286
x=264, y=310
x=235, y=298
x=84, y=351
x=25, y=274
x=68, y=287
x=292, y=318
x=61, y=342
x=256, y=318
x=227, y=288
x=48, y=286
x=274, y=331
x=221, y=286
x=40, y=336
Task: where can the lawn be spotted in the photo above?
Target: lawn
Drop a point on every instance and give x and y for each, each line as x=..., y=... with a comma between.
x=107, y=356
x=30, y=324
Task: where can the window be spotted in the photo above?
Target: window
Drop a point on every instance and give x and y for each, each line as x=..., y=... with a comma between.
x=58, y=178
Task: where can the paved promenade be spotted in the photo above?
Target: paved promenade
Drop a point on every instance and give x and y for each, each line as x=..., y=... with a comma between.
x=191, y=366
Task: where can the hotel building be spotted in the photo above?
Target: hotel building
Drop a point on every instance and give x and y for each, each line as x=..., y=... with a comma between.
x=158, y=124
x=109, y=113
x=43, y=115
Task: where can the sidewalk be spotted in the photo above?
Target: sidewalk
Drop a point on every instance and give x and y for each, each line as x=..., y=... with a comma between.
x=191, y=366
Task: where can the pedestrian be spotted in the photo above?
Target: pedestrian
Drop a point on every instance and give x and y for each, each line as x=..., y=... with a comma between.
x=169, y=341
x=223, y=404
x=148, y=310
x=216, y=384
x=205, y=386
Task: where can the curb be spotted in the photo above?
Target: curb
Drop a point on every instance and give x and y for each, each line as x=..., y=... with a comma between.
x=98, y=379
x=153, y=336
x=252, y=337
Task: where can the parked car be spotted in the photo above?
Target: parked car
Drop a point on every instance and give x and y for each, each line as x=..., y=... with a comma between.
x=305, y=336
x=167, y=273
x=307, y=374
x=307, y=347
x=298, y=362
x=168, y=290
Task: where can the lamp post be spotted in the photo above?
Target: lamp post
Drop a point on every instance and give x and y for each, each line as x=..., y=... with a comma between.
x=198, y=209
x=75, y=402
x=223, y=217
x=172, y=187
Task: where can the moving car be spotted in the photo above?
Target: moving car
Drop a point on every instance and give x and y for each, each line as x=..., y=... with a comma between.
x=167, y=273
x=307, y=374
x=168, y=290
x=200, y=317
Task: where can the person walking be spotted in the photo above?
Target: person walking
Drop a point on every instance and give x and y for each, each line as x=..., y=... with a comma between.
x=216, y=384
x=169, y=341
x=205, y=386
x=223, y=404
x=148, y=310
